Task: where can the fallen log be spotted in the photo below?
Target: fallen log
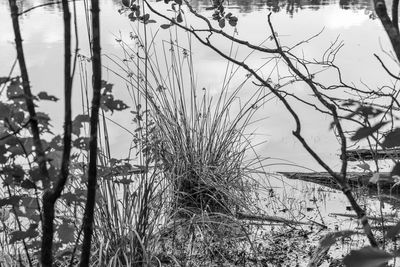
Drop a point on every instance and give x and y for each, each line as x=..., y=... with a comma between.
x=355, y=179
x=367, y=154
x=387, y=218
x=389, y=187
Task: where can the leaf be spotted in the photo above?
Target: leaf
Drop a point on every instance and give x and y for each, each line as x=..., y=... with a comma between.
x=57, y=142
x=146, y=17
x=367, y=257
x=375, y=178
x=77, y=123
x=4, y=214
x=233, y=21
x=392, y=139
x=107, y=87
x=10, y=140
x=137, y=13
x=21, y=235
x=16, y=150
x=45, y=96
x=73, y=197
x=126, y=3
x=35, y=175
x=364, y=166
x=18, y=117
x=55, y=158
x=28, y=184
x=4, y=80
x=28, y=145
x=108, y=103
x=4, y=111
x=165, y=26
x=365, y=111
x=329, y=239
x=131, y=16
x=221, y=23
x=12, y=200
x=179, y=2
x=30, y=202
x=14, y=90
x=124, y=181
x=14, y=174
x=3, y=151
x=66, y=232
x=43, y=120
x=179, y=18
x=366, y=131
x=82, y=143
x=31, y=206
x=393, y=231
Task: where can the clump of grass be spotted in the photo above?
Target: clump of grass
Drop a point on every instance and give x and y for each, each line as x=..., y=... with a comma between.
x=202, y=149
x=193, y=149
x=199, y=141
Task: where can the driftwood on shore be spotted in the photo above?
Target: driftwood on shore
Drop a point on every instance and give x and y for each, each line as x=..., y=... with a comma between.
x=389, y=190
x=387, y=184
x=355, y=179
x=367, y=154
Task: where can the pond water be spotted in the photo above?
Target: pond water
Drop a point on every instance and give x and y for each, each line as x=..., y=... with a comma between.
x=350, y=21
x=353, y=22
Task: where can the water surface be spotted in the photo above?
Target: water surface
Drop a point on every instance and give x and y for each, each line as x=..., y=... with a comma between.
x=350, y=21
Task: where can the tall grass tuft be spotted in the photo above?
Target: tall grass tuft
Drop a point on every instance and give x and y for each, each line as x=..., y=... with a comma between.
x=192, y=146
x=200, y=143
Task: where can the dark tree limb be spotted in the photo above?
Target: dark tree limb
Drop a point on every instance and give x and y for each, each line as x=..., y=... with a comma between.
x=391, y=26
x=68, y=78
x=88, y=217
x=41, y=160
x=340, y=179
x=395, y=14
x=51, y=195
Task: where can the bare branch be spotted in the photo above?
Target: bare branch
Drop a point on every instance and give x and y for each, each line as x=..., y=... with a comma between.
x=387, y=70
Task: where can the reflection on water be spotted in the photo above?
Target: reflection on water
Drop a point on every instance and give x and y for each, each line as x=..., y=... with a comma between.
x=243, y=6
x=290, y=6
x=51, y=5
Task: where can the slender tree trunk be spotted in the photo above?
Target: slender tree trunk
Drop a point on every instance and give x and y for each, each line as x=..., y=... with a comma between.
x=28, y=94
x=51, y=195
x=94, y=119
